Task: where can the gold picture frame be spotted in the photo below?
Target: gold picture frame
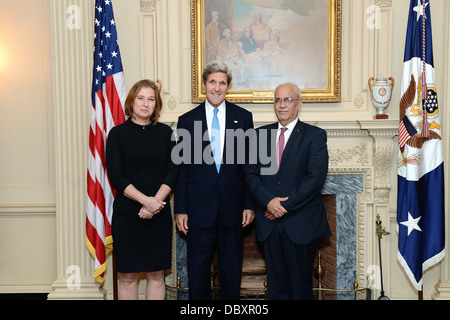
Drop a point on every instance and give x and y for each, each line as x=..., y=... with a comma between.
x=300, y=44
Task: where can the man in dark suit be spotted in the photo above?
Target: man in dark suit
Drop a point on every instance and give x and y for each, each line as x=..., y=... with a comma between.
x=290, y=214
x=212, y=202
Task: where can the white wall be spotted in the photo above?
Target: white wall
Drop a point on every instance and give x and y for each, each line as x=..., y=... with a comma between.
x=27, y=174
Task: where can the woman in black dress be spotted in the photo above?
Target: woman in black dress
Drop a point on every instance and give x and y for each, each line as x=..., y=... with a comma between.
x=138, y=160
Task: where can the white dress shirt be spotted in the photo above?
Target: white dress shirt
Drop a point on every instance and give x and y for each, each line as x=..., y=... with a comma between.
x=288, y=132
x=221, y=116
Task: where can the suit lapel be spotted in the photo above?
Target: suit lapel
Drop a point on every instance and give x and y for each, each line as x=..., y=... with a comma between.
x=272, y=129
x=271, y=144
x=231, y=122
x=202, y=114
x=206, y=143
x=293, y=143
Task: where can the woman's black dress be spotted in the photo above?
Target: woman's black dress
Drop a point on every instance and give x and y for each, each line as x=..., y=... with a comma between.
x=141, y=156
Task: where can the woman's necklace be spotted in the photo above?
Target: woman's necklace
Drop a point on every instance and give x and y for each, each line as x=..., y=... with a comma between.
x=140, y=124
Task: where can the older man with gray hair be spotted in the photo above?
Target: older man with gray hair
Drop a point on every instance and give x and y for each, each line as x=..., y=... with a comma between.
x=212, y=203
x=290, y=214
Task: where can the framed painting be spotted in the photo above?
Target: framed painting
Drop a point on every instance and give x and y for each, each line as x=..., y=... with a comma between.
x=266, y=43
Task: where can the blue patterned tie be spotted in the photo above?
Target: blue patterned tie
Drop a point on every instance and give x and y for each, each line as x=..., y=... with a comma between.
x=215, y=140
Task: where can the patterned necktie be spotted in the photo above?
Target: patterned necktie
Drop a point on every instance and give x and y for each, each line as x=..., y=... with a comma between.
x=215, y=140
x=281, y=145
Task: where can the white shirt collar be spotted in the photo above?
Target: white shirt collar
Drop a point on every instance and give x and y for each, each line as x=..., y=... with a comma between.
x=210, y=109
x=290, y=126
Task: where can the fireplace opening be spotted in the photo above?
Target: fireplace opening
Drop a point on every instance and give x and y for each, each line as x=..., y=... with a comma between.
x=253, y=269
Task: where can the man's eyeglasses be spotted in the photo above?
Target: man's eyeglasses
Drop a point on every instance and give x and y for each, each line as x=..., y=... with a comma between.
x=287, y=100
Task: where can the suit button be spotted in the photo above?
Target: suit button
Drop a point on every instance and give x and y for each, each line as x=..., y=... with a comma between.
x=278, y=183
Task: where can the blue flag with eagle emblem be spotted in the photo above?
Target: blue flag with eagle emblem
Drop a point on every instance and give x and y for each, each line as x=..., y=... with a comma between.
x=420, y=202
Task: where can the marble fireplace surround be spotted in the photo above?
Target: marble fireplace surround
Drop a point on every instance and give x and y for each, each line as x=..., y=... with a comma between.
x=359, y=175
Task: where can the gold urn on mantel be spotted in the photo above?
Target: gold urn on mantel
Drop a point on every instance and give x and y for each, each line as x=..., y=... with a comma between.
x=381, y=94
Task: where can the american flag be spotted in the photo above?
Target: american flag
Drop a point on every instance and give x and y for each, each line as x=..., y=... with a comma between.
x=108, y=97
x=420, y=202
x=405, y=132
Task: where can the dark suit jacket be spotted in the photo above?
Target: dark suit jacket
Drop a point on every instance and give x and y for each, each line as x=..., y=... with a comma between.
x=301, y=176
x=201, y=191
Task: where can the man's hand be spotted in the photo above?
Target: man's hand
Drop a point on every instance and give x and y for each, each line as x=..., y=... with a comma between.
x=247, y=217
x=269, y=216
x=275, y=209
x=182, y=222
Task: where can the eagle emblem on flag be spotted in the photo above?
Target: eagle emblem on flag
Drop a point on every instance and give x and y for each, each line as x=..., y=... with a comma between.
x=408, y=133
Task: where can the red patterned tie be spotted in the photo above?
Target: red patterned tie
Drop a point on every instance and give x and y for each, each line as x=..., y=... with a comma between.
x=281, y=145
